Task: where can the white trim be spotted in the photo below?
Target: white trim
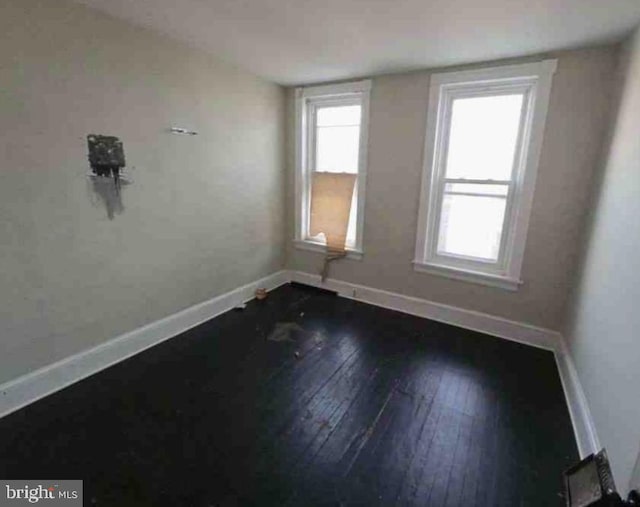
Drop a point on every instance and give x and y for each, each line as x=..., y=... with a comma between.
x=584, y=426
x=468, y=319
x=478, y=277
x=336, y=89
x=363, y=165
x=492, y=74
x=300, y=215
x=546, y=70
x=534, y=81
x=33, y=386
x=361, y=91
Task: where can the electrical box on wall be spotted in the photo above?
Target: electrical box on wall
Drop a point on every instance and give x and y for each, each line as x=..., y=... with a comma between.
x=106, y=158
x=106, y=155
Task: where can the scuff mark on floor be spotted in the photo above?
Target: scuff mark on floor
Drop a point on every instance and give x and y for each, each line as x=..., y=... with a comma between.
x=285, y=331
x=370, y=429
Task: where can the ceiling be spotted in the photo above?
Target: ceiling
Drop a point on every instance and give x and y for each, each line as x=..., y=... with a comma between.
x=307, y=41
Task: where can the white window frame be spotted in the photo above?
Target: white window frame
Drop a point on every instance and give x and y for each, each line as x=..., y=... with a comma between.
x=534, y=81
x=339, y=94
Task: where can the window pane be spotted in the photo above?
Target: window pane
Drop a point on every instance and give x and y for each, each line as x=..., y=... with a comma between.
x=351, y=229
x=337, y=149
x=471, y=188
x=340, y=115
x=471, y=226
x=482, y=137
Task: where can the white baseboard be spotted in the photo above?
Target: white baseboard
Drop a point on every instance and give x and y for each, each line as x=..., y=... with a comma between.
x=33, y=386
x=468, y=319
x=583, y=424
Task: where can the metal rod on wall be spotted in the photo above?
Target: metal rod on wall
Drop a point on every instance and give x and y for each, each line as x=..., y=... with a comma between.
x=180, y=130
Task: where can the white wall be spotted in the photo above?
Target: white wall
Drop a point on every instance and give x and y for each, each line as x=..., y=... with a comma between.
x=603, y=328
x=635, y=476
x=579, y=103
x=204, y=215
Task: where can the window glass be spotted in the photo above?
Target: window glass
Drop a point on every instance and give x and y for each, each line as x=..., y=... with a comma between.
x=337, y=149
x=471, y=226
x=338, y=115
x=482, y=137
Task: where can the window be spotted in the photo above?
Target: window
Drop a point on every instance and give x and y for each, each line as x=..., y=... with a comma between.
x=482, y=147
x=331, y=136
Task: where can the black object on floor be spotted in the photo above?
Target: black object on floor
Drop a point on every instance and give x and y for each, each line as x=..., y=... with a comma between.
x=351, y=405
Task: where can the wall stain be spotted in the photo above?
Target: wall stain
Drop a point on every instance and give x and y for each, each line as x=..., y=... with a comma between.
x=105, y=192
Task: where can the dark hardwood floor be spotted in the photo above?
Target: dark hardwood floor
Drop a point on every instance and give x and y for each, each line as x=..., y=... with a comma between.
x=347, y=404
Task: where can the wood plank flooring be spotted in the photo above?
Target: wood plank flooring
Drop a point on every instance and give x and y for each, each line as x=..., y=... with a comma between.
x=350, y=405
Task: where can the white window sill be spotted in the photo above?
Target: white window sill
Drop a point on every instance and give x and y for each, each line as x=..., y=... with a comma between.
x=478, y=277
x=313, y=246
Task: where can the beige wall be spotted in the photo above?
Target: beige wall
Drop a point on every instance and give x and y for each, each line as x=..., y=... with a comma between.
x=204, y=215
x=603, y=326
x=576, y=123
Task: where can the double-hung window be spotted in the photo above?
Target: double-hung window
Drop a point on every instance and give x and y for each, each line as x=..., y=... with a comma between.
x=483, y=140
x=331, y=136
